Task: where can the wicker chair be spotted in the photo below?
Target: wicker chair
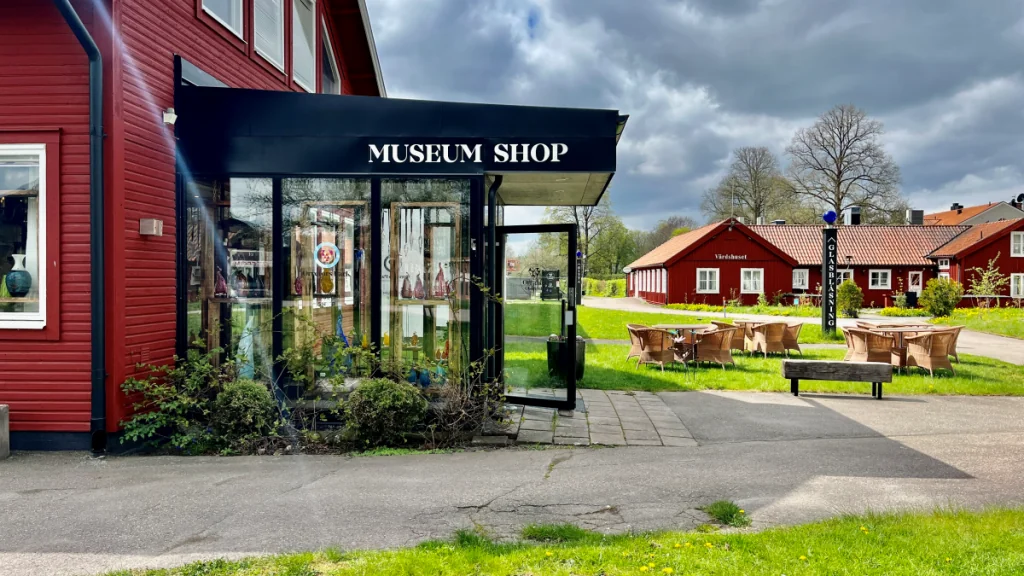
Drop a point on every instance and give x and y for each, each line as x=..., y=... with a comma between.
x=868, y=346
x=931, y=351
x=768, y=338
x=791, y=336
x=716, y=346
x=634, y=340
x=736, y=342
x=952, y=347
x=849, y=345
x=656, y=347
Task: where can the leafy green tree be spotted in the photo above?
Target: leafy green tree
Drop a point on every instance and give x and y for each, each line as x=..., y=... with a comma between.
x=988, y=282
x=940, y=296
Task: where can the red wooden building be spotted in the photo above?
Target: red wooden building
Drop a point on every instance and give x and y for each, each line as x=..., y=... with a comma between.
x=974, y=248
x=722, y=261
x=62, y=219
x=879, y=259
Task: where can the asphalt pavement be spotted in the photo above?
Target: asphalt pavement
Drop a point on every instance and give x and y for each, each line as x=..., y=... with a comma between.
x=783, y=459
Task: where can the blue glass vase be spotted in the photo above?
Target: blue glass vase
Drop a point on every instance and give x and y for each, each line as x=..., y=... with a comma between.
x=19, y=281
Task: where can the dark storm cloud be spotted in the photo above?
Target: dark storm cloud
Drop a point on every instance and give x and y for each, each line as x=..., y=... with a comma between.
x=703, y=77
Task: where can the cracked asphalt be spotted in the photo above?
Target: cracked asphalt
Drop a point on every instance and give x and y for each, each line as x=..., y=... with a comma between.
x=784, y=459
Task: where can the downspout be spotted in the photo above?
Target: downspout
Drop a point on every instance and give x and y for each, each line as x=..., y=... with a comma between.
x=492, y=274
x=98, y=419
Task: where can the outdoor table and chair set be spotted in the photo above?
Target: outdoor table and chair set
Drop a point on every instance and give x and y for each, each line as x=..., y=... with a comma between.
x=663, y=344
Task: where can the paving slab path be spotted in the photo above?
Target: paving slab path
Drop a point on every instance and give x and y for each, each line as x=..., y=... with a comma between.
x=970, y=342
x=783, y=459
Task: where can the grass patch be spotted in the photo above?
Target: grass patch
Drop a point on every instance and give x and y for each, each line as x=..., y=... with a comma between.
x=940, y=543
x=608, y=369
x=383, y=451
x=1001, y=321
x=727, y=513
x=544, y=318
x=769, y=310
x=558, y=533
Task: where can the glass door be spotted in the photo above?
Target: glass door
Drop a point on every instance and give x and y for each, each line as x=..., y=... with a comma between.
x=536, y=346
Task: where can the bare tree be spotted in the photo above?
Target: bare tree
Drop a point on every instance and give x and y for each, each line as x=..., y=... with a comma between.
x=754, y=187
x=839, y=163
x=664, y=230
x=591, y=221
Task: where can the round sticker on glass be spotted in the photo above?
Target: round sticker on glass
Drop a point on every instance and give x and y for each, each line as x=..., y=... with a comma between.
x=326, y=255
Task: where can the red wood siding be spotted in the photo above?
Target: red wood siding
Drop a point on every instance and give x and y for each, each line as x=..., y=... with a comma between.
x=877, y=298
x=682, y=275
x=44, y=375
x=960, y=268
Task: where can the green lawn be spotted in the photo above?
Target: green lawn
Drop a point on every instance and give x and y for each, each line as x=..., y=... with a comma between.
x=941, y=543
x=1004, y=321
x=607, y=369
x=542, y=319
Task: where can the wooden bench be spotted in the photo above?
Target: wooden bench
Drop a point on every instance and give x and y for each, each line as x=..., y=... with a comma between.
x=837, y=371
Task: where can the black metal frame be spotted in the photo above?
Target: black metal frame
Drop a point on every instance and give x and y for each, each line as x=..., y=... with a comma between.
x=497, y=330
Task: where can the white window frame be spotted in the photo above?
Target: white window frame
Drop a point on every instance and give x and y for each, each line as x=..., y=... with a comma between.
x=240, y=4
x=708, y=290
x=664, y=281
x=910, y=282
x=760, y=274
x=887, y=285
x=1017, y=285
x=296, y=39
x=334, y=58
x=944, y=276
x=32, y=320
x=844, y=275
x=281, y=30
x=804, y=276
x=1017, y=244
x=943, y=263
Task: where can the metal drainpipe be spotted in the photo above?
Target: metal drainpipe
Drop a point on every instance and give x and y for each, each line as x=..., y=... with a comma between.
x=492, y=274
x=98, y=422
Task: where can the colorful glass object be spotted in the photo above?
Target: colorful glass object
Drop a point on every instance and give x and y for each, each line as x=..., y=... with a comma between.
x=19, y=281
x=418, y=292
x=406, y=287
x=220, y=284
x=440, y=284
x=326, y=283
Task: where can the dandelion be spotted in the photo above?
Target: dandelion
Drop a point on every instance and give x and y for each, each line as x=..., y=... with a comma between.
x=651, y=564
x=743, y=511
x=667, y=570
x=709, y=545
x=643, y=568
x=549, y=553
x=802, y=557
x=625, y=554
x=678, y=545
x=687, y=545
x=949, y=559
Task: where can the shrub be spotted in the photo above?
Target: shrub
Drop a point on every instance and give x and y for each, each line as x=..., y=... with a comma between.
x=897, y=312
x=244, y=411
x=940, y=296
x=382, y=412
x=727, y=513
x=849, y=299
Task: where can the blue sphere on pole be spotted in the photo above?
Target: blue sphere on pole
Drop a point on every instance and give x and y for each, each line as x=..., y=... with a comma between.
x=829, y=217
x=579, y=254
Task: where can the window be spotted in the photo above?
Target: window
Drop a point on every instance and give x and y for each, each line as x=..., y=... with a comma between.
x=801, y=278
x=1017, y=244
x=707, y=280
x=843, y=276
x=303, y=38
x=268, y=30
x=943, y=275
x=879, y=280
x=943, y=263
x=1016, y=285
x=330, y=77
x=227, y=12
x=752, y=281
x=664, y=281
x=22, y=236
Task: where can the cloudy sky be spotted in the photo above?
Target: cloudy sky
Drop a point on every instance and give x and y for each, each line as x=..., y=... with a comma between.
x=701, y=77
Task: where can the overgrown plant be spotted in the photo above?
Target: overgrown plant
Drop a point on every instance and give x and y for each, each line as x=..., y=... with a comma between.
x=849, y=299
x=940, y=296
x=988, y=282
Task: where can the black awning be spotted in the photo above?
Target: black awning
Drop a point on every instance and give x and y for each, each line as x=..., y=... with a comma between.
x=226, y=131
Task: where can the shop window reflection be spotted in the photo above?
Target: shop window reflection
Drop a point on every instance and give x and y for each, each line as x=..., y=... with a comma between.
x=425, y=284
x=229, y=265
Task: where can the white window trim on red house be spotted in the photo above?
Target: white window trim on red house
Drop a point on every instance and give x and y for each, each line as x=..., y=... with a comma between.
x=1017, y=285
x=943, y=275
x=872, y=285
x=32, y=320
x=709, y=273
x=239, y=5
x=274, y=54
x=1017, y=244
x=297, y=43
x=943, y=263
x=759, y=289
x=801, y=278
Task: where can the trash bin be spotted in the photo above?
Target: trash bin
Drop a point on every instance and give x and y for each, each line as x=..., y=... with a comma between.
x=556, y=351
x=911, y=299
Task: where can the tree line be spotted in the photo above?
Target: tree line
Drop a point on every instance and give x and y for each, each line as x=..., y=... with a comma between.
x=835, y=164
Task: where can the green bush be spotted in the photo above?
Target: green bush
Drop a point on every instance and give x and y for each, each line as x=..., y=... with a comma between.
x=607, y=288
x=382, y=412
x=940, y=296
x=244, y=411
x=849, y=299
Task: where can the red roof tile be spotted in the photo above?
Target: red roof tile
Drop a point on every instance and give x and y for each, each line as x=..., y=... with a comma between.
x=673, y=246
x=869, y=245
x=954, y=217
x=974, y=235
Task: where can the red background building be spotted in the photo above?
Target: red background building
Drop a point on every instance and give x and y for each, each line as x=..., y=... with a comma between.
x=46, y=372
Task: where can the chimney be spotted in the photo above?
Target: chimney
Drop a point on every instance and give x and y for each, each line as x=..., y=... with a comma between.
x=915, y=217
x=852, y=216
x=760, y=220
x=958, y=207
x=1018, y=202
x=778, y=222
